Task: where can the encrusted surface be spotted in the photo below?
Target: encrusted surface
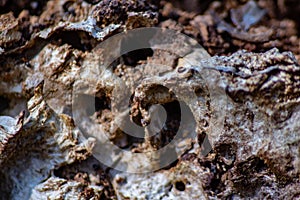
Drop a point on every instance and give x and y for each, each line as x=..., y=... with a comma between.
x=44, y=51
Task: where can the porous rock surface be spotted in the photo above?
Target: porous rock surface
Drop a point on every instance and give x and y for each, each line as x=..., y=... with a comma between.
x=258, y=148
x=254, y=153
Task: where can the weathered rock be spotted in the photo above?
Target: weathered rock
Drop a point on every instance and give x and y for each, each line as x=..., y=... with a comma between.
x=243, y=128
x=31, y=148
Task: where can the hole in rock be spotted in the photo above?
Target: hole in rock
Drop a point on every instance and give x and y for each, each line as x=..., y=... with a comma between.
x=179, y=185
x=4, y=103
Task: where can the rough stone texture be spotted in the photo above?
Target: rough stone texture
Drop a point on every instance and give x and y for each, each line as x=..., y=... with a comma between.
x=32, y=147
x=257, y=153
x=262, y=112
x=259, y=144
x=180, y=182
x=45, y=45
x=57, y=188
